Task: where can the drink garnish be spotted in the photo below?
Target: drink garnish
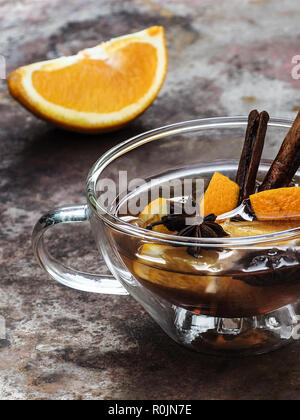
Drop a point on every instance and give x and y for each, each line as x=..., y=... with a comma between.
x=175, y=220
x=221, y=195
x=251, y=154
x=207, y=229
x=270, y=268
x=278, y=204
x=276, y=199
x=287, y=161
x=243, y=201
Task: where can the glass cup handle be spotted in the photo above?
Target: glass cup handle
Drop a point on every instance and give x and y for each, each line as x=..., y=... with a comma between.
x=78, y=280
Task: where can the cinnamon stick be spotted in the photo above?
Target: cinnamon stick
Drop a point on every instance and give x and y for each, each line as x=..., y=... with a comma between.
x=287, y=161
x=251, y=154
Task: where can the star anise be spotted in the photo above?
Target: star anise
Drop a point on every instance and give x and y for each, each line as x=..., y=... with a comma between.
x=270, y=268
x=175, y=221
x=207, y=229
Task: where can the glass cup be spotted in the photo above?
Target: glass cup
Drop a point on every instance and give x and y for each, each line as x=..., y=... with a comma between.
x=246, y=302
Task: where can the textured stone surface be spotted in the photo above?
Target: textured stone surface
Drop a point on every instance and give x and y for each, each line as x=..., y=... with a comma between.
x=225, y=58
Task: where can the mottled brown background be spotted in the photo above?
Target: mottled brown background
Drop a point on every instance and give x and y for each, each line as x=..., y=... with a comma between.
x=226, y=57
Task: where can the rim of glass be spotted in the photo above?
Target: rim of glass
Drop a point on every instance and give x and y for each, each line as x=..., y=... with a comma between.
x=159, y=133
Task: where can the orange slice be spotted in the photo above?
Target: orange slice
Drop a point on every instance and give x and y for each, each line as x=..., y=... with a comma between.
x=277, y=204
x=154, y=212
x=255, y=228
x=153, y=259
x=221, y=196
x=99, y=89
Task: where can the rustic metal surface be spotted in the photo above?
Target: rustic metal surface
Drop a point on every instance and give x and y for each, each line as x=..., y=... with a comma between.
x=226, y=57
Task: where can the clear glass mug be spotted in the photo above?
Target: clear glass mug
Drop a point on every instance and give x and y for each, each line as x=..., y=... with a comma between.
x=249, y=309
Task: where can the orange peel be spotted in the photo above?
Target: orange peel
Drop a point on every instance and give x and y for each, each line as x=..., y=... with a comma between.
x=221, y=196
x=277, y=204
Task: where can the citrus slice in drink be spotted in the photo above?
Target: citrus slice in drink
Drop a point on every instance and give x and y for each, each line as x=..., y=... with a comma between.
x=277, y=204
x=256, y=228
x=153, y=260
x=99, y=89
x=154, y=212
x=221, y=196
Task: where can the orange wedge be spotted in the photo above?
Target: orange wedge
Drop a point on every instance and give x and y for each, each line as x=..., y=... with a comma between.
x=221, y=196
x=255, y=228
x=99, y=89
x=154, y=212
x=277, y=204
